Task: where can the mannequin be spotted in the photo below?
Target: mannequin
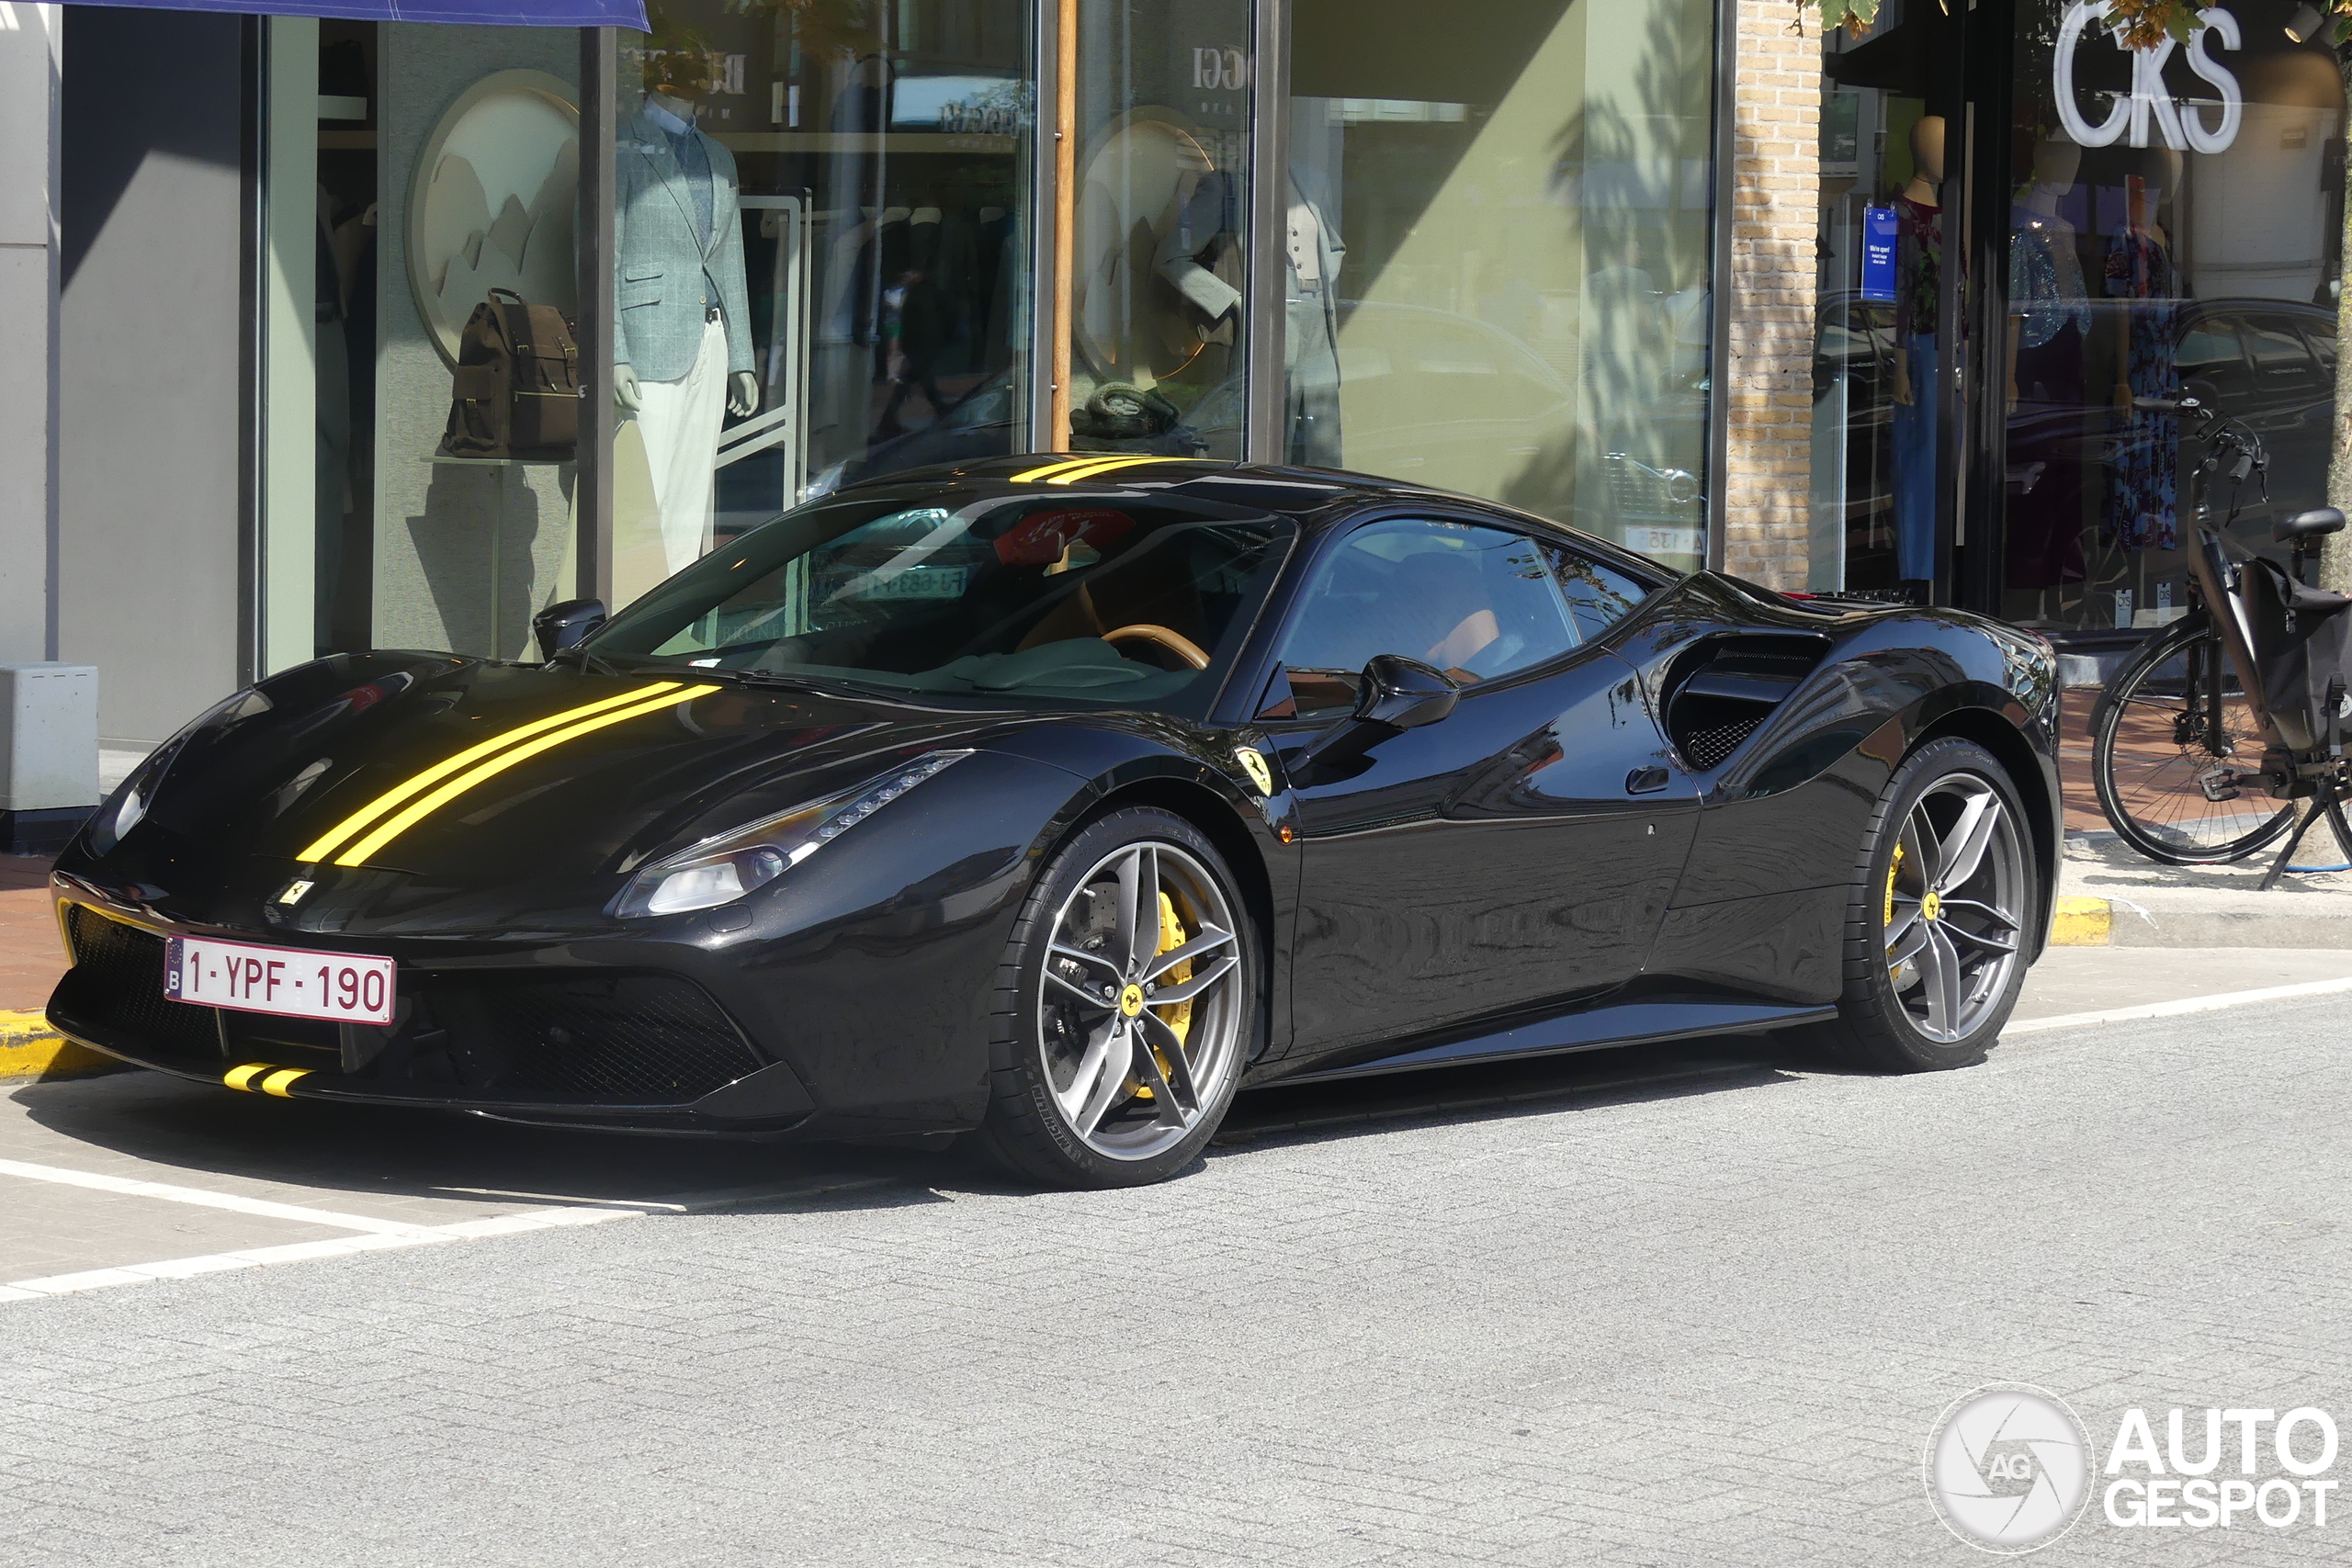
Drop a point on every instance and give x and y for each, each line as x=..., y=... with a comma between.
x=2142, y=496
x=2046, y=293
x=2049, y=323
x=683, y=356
x=1919, y=265
x=1312, y=251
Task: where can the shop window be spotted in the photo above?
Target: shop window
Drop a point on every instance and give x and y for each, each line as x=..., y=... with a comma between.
x=2192, y=193
x=1496, y=255
x=1161, y=227
x=862, y=305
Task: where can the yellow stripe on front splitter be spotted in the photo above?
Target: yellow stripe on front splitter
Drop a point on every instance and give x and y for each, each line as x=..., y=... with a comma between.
x=278, y=1082
x=357, y=853
x=335, y=837
x=242, y=1077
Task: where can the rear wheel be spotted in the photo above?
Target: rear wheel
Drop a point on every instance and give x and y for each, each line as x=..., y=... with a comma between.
x=2174, y=785
x=1126, y=1005
x=1940, y=918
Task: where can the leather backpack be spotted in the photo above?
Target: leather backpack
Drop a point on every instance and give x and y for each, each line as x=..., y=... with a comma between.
x=515, y=392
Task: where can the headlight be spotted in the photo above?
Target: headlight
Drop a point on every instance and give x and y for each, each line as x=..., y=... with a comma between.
x=127, y=805
x=722, y=869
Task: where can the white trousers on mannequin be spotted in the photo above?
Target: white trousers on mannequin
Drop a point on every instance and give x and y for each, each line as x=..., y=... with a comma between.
x=678, y=422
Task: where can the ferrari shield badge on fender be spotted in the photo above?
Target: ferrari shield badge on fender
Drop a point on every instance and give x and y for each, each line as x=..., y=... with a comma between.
x=1254, y=764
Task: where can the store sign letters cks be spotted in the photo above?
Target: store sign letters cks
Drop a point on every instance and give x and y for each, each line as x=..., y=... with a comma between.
x=2182, y=126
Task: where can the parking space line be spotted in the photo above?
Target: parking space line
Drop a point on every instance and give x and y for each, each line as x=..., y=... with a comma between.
x=2185, y=1005
x=131, y=1186
x=383, y=1233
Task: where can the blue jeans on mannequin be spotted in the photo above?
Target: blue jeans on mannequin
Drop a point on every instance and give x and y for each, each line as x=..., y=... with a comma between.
x=1915, y=464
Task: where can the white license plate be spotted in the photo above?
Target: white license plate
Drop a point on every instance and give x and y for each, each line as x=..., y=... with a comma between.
x=287, y=981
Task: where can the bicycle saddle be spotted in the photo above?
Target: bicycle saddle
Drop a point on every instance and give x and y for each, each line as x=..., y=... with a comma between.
x=2309, y=525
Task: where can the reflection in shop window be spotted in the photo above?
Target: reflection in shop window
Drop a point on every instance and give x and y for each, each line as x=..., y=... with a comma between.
x=1161, y=244
x=822, y=257
x=1496, y=266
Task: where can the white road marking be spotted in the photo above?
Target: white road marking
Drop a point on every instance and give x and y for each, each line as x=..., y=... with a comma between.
x=2187, y=1004
x=129, y=1187
x=385, y=1233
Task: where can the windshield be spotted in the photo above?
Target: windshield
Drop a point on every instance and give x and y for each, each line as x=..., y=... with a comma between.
x=1003, y=597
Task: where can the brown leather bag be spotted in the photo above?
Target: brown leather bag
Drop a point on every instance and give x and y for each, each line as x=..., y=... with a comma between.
x=515, y=392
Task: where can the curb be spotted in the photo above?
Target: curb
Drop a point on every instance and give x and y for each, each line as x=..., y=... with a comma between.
x=2082, y=922
x=31, y=1052
x=2122, y=922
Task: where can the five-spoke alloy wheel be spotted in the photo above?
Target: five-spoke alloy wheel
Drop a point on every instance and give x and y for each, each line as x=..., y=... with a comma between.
x=1940, y=918
x=1133, y=1002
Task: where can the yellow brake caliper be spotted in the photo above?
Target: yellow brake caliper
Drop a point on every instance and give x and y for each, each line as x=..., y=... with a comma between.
x=1894, y=869
x=1177, y=1016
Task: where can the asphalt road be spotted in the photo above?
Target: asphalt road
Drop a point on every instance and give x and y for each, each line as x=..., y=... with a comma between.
x=1698, y=1308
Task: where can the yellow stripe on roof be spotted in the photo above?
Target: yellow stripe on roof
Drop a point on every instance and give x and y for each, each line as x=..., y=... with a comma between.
x=1067, y=470
x=357, y=853
x=334, y=837
x=1053, y=467
x=1104, y=465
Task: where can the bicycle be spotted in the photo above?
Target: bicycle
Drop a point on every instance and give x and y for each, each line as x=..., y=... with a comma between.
x=2188, y=752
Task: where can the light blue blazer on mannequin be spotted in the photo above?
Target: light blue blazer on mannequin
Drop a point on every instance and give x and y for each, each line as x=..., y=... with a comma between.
x=659, y=261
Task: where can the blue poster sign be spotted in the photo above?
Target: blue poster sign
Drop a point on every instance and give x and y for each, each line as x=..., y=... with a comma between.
x=1878, y=252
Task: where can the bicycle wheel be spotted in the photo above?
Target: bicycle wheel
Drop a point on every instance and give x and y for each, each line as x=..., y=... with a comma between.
x=2171, y=793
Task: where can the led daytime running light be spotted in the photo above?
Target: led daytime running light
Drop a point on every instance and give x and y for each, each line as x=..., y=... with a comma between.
x=722, y=869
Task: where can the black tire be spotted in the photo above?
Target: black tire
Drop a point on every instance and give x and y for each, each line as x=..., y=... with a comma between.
x=2158, y=805
x=1028, y=1129
x=1877, y=1027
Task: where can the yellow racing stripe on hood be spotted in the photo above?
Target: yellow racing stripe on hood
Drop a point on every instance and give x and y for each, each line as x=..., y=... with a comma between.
x=336, y=836
x=401, y=822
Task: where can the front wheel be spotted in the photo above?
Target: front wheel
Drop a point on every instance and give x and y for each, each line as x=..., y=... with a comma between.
x=2174, y=778
x=1126, y=1007
x=1940, y=918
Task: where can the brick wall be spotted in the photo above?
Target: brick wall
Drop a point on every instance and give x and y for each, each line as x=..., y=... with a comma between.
x=1776, y=122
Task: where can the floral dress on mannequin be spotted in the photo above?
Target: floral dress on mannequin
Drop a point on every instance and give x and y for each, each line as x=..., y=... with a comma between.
x=2143, y=481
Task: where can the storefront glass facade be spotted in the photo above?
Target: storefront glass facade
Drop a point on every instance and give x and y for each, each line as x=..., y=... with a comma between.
x=1498, y=256
x=1485, y=266
x=2172, y=222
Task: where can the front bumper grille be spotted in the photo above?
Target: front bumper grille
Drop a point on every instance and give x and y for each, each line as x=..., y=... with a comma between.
x=117, y=982
x=646, y=1038
x=585, y=1036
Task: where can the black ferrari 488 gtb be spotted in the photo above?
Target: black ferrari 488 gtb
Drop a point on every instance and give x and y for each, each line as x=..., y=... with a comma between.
x=1059, y=799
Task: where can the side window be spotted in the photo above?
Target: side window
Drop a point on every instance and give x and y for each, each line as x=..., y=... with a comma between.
x=1476, y=603
x=2281, y=363
x=1598, y=595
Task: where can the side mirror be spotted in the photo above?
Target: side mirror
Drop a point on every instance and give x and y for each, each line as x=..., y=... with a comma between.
x=1402, y=694
x=1398, y=695
x=566, y=626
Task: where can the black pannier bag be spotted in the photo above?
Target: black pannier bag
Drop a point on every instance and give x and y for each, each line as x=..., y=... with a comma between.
x=2303, y=645
x=515, y=390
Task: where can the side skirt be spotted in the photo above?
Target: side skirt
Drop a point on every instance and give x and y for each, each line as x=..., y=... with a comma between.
x=1623, y=1024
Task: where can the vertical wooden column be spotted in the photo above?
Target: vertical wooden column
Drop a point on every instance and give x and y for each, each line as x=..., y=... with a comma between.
x=1065, y=216
x=592, y=481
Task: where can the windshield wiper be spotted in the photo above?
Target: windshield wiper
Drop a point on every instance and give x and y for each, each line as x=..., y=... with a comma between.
x=822, y=684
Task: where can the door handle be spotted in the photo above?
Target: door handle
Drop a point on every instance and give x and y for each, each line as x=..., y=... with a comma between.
x=1646, y=781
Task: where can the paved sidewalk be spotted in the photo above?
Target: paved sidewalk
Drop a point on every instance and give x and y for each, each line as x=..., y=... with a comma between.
x=2139, y=903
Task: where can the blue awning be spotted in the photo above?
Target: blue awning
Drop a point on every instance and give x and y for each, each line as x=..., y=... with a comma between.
x=478, y=13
